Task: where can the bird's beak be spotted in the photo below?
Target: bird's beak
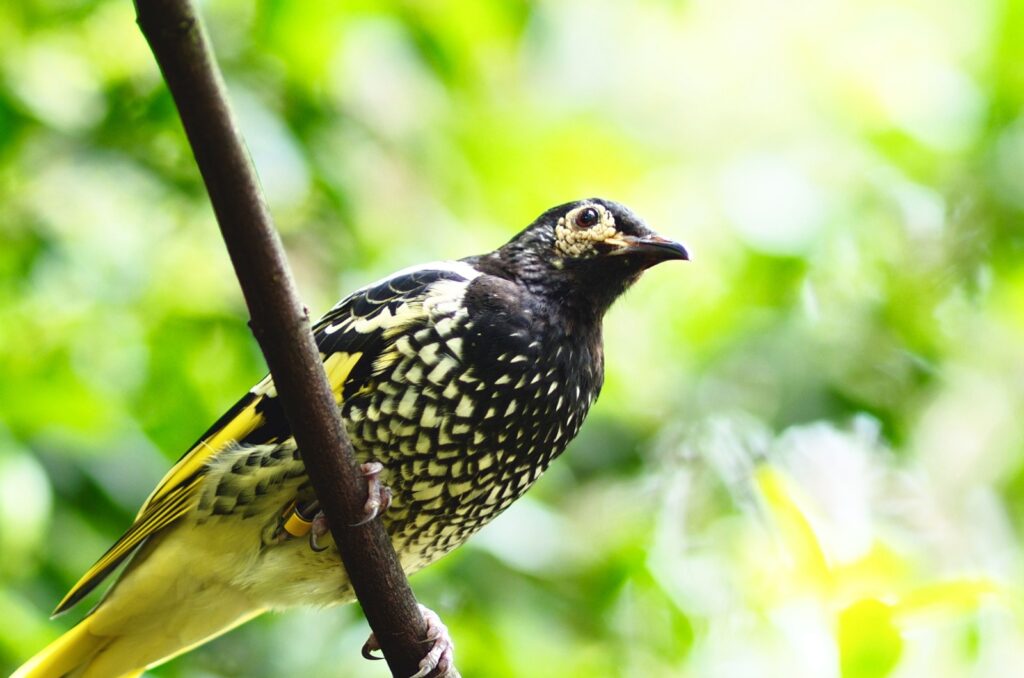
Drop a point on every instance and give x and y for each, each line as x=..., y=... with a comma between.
x=653, y=246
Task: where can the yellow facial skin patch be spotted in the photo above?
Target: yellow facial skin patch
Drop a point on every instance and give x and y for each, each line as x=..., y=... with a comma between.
x=573, y=241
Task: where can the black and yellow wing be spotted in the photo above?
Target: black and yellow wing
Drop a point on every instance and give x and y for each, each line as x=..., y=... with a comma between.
x=351, y=337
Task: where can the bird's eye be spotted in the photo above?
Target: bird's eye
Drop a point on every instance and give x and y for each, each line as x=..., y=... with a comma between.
x=587, y=218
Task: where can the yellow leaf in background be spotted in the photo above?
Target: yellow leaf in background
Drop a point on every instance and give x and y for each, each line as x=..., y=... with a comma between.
x=882, y=572
x=870, y=644
x=796, y=535
x=958, y=596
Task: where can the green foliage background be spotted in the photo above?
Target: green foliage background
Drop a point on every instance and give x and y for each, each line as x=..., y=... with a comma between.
x=807, y=460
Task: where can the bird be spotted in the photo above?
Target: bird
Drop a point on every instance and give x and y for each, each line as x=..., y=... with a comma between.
x=458, y=383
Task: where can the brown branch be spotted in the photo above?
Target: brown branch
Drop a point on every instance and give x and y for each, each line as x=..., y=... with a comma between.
x=178, y=39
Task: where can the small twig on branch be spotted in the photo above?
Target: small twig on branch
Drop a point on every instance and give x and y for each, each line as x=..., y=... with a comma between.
x=176, y=35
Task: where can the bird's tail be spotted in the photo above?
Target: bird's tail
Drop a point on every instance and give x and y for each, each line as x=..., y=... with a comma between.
x=68, y=655
x=86, y=651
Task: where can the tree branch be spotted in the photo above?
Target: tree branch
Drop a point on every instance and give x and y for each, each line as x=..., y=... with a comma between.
x=176, y=35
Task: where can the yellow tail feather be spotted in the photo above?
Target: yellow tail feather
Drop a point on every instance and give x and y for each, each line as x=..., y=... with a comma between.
x=71, y=651
x=80, y=652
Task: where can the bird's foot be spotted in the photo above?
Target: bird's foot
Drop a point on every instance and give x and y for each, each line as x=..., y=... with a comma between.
x=441, y=656
x=378, y=499
x=319, y=528
x=378, y=495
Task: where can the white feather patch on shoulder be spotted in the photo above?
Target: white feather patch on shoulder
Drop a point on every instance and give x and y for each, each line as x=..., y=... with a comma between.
x=441, y=298
x=458, y=267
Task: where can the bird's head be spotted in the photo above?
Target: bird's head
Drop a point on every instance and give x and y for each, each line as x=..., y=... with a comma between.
x=586, y=253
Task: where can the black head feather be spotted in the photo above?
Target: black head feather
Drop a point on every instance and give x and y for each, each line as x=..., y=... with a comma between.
x=581, y=255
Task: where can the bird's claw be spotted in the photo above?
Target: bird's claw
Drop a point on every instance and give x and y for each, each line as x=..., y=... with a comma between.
x=441, y=655
x=369, y=647
x=378, y=495
x=320, y=528
x=378, y=499
x=438, y=660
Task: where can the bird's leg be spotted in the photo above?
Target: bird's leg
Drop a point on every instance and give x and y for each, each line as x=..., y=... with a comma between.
x=441, y=655
x=378, y=499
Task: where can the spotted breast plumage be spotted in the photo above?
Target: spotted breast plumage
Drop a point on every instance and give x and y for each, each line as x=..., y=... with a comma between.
x=458, y=382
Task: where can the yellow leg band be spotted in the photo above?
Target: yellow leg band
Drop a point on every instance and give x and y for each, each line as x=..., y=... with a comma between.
x=297, y=526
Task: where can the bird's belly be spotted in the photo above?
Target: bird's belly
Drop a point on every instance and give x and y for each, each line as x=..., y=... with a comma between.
x=464, y=419
x=454, y=463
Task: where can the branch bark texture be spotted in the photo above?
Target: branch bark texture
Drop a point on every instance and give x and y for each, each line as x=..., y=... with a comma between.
x=280, y=322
